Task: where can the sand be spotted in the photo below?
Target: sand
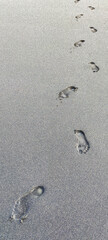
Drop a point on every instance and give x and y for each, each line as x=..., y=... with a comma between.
x=37, y=60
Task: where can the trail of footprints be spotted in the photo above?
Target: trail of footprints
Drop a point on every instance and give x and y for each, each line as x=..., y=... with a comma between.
x=82, y=145
x=23, y=204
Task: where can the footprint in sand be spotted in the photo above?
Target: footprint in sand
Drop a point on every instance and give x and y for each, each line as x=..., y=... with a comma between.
x=79, y=43
x=94, y=67
x=23, y=204
x=76, y=1
x=66, y=92
x=79, y=16
x=82, y=144
x=93, y=29
x=92, y=8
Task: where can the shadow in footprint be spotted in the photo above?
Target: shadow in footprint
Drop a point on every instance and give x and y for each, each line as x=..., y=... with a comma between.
x=79, y=16
x=93, y=29
x=66, y=92
x=92, y=8
x=76, y=1
x=94, y=67
x=79, y=43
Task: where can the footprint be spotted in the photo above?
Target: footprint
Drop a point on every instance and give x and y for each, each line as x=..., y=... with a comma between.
x=92, y=8
x=76, y=1
x=82, y=145
x=94, y=67
x=65, y=93
x=21, y=208
x=79, y=16
x=93, y=29
x=79, y=43
x=22, y=205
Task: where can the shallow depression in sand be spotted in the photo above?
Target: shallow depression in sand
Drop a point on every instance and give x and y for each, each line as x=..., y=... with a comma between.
x=23, y=204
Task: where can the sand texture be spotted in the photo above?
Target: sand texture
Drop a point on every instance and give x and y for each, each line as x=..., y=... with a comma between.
x=38, y=60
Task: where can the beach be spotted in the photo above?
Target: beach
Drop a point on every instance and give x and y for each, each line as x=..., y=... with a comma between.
x=38, y=60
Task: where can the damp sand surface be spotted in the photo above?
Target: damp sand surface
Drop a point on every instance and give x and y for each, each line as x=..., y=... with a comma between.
x=37, y=137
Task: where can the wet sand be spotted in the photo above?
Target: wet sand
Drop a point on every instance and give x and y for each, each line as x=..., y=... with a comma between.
x=37, y=60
